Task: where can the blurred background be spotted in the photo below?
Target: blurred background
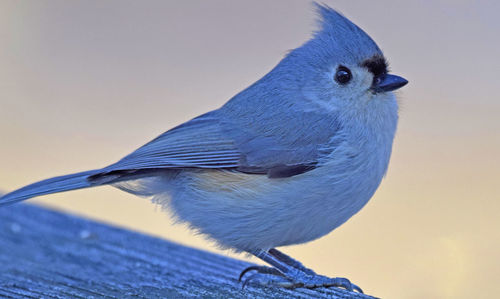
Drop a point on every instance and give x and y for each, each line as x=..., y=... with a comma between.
x=83, y=83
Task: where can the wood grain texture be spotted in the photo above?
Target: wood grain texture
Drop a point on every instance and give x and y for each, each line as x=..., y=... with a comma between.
x=53, y=255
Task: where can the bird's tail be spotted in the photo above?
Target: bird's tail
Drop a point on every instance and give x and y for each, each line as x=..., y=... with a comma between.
x=52, y=185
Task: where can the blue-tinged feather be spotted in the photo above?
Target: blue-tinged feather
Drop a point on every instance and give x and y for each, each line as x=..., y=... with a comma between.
x=49, y=186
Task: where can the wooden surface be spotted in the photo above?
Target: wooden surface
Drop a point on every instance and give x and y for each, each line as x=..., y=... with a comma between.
x=52, y=255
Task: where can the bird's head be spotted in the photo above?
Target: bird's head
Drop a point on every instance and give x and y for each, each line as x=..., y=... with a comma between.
x=340, y=65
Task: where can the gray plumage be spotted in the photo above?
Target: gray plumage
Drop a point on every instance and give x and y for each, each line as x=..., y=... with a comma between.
x=283, y=162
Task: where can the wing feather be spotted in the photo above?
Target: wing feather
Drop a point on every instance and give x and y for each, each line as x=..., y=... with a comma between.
x=211, y=141
x=199, y=143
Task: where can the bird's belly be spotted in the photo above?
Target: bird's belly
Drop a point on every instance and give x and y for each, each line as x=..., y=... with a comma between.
x=248, y=211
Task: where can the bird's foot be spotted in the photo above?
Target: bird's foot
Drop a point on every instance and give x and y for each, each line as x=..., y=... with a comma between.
x=270, y=273
x=290, y=273
x=294, y=278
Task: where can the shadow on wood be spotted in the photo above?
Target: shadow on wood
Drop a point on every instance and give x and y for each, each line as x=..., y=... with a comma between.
x=49, y=254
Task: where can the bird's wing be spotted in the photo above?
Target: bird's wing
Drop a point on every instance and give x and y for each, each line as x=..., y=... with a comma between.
x=197, y=143
x=209, y=142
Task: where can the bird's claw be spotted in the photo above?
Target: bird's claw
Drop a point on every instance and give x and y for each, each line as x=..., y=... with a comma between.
x=260, y=270
x=342, y=283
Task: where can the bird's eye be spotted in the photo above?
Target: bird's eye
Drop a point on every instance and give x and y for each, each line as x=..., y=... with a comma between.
x=343, y=75
x=377, y=80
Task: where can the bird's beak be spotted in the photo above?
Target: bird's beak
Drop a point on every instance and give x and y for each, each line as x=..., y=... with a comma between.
x=388, y=83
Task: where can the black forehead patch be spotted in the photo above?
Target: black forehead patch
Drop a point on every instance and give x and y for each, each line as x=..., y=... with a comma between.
x=377, y=65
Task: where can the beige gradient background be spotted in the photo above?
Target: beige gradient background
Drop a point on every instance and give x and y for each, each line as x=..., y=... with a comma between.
x=83, y=83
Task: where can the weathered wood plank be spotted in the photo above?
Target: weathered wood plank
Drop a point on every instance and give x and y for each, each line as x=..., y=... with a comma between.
x=52, y=255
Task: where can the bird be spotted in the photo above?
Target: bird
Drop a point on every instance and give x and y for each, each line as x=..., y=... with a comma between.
x=283, y=162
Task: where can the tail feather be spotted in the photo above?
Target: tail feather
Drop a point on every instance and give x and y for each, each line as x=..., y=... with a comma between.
x=48, y=186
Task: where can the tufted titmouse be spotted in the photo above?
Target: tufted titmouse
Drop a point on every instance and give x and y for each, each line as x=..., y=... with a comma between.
x=285, y=161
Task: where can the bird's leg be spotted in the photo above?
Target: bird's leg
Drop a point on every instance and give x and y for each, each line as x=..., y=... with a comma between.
x=290, y=261
x=289, y=273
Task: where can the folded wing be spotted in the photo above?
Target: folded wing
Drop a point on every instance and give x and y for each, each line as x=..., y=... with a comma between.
x=204, y=142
